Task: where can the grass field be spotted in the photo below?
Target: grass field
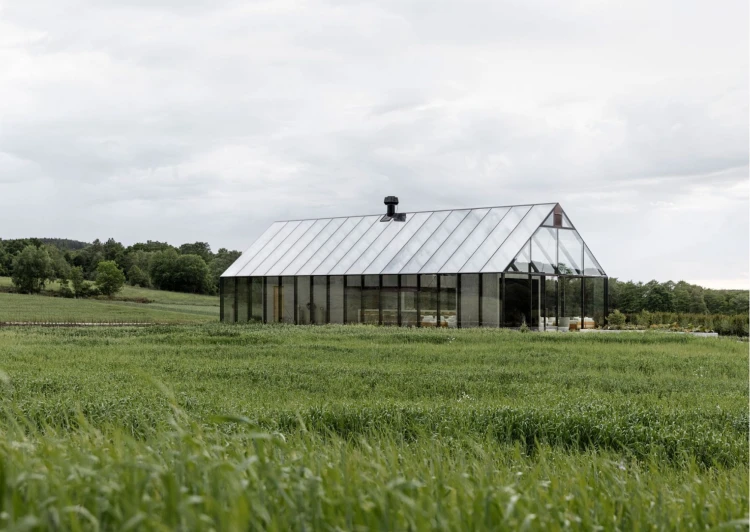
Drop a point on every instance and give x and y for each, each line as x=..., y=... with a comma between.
x=272, y=427
x=164, y=307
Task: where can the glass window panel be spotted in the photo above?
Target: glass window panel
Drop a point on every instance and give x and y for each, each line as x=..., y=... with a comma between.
x=273, y=300
x=565, y=222
x=273, y=243
x=435, y=240
x=353, y=299
x=389, y=299
x=257, y=299
x=517, y=239
x=227, y=300
x=412, y=225
x=301, y=245
x=550, y=302
x=472, y=242
x=265, y=266
x=371, y=298
x=495, y=240
x=428, y=300
x=537, y=303
x=416, y=242
x=570, y=301
x=517, y=300
x=550, y=220
x=336, y=295
x=254, y=248
x=359, y=247
x=594, y=302
x=570, y=252
x=319, y=300
x=454, y=240
x=544, y=249
x=304, y=305
x=522, y=261
x=448, y=301
x=326, y=247
x=590, y=264
x=391, y=231
x=491, y=299
x=408, y=296
x=243, y=299
x=347, y=243
x=470, y=300
x=287, y=300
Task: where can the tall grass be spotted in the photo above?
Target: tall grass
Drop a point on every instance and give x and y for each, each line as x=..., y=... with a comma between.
x=341, y=428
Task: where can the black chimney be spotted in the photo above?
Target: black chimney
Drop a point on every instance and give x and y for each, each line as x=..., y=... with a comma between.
x=391, y=202
x=391, y=214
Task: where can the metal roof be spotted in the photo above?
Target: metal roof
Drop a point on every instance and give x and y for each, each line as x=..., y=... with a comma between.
x=452, y=241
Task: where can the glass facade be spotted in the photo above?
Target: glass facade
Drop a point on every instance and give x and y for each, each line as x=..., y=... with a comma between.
x=389, y=300
x=469, y=300
x=485, y=267
x=428, y=300
x=371, y=299
x=243, y=298
x=319, y=303
x=509, y=299
x=408, y=295
x=448, y=303
x=336, y=299
x=304, y=302
x=517, y=300
x=353, y=299
x=256, y=299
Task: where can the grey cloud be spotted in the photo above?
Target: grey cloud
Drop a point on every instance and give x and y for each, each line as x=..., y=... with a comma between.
x=208, y=120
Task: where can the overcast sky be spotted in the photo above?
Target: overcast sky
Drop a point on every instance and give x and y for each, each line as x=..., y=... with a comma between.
x=197, y=120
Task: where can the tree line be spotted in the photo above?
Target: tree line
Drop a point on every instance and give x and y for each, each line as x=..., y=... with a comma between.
x=682, y=297
x=96, y=267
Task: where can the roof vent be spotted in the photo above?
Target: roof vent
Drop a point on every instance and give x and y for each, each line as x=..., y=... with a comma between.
x=391, y=214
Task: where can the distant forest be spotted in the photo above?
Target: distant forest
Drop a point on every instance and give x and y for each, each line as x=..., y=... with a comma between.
x=196, y=268
x=193, y=268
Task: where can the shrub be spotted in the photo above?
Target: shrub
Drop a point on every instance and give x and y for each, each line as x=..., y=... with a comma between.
x=644, y=319
x=137, y=277
x=616, y=320
x=32, y=268
x=109, y=278
x=65, y=290
x=76, y=278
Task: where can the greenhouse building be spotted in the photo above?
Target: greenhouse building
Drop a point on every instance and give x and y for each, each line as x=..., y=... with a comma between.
x=483, y=267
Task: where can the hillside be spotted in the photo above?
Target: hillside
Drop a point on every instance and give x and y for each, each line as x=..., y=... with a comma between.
x=132, y=305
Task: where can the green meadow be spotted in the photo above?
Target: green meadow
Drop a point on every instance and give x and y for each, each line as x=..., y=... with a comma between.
x=131, y=305
x=237, y=427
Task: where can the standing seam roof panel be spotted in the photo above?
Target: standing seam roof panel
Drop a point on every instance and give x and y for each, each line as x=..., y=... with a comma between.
x=391, y=231
x=263, y=268
x=304, y=256
x=359, y=247
x=411, y=226
x=413, y=245
x=432, y=244
x=474, y=240
x=456, y=238
x=298, y=247
x=272, y=244
x=256, y=246
x=346, y=245
x=329, y=245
